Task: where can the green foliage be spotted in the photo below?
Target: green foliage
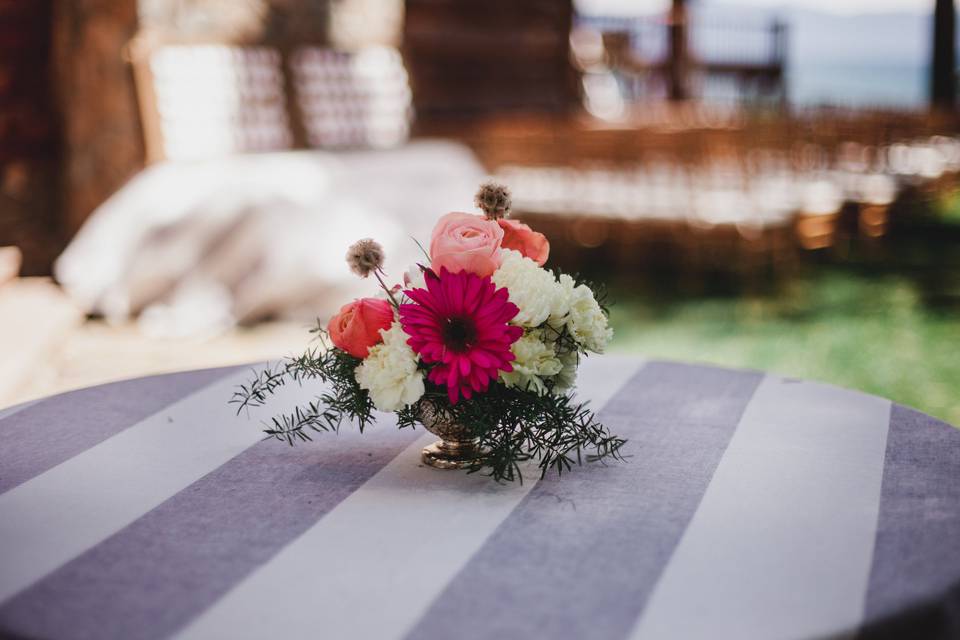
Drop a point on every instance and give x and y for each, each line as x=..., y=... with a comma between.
x=343, y=399
x=512, y=425
x=515, y=425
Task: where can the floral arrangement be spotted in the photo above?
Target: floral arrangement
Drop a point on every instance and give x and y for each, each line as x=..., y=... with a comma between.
x=480, y=336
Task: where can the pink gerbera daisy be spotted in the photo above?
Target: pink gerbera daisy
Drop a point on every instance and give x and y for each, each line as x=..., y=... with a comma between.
x=459, y=324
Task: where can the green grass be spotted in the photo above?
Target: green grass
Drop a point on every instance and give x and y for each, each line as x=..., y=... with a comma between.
x=876, y=332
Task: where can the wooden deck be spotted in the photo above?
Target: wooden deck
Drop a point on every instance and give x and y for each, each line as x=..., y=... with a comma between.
x=49, y=347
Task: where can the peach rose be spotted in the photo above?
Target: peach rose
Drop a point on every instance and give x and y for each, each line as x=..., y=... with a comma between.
x=520, y=237
x=357, y=326
x=466, y=242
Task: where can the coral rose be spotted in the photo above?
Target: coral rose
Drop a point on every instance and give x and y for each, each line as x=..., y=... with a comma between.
x=357, y=326
x=522, y=238
x=466, y=242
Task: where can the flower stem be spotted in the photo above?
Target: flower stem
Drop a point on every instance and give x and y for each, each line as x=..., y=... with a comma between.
x=421, y=249
x=393, y=300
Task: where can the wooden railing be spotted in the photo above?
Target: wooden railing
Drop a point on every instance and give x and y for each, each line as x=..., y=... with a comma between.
x=682, y=58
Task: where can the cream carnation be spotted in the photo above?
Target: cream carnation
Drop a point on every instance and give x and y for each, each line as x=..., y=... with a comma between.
x=535, y=360
x=390, y=372
x=531, y=288
x=562, y=300
x=567, y=377
x=586, y=320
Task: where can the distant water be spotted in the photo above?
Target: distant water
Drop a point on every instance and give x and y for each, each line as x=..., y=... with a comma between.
x=853, y=83
x=874, y=59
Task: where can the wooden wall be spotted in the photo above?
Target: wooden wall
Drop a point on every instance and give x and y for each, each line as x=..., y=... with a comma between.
x=29, y=135
x=477, y=57
x=102, y=141
x=70, y=131
x=344, y=24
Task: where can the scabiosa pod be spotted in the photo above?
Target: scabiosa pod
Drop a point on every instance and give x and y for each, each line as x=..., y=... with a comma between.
x=493, y=199
x=365, y=257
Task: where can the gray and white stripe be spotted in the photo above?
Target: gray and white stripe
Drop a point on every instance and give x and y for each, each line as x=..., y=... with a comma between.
x=40, y=435
x=76, y=504
x=789, y=513
x=412, y=530
x=752, y=506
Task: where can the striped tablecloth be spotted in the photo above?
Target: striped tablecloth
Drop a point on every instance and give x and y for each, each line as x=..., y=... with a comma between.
x=753, y=506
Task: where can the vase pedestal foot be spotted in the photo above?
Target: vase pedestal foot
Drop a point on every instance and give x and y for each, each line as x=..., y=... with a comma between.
x=444, y=454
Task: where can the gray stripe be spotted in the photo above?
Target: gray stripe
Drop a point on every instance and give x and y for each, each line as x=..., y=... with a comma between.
x=55, y=429
x=579, y=556
x=914, y=586
x=165, y=568
x=9, y=411
x=780, y=545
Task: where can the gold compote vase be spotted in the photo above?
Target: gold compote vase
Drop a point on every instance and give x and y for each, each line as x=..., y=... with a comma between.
x=456, y=448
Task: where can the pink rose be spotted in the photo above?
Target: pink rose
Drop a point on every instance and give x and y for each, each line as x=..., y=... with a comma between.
x=466, y=242
x=522, y=238
x=357, y=326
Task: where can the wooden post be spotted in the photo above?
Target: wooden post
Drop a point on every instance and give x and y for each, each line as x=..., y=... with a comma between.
x=103, y=142
x=780, y=44
x=30, y=140
x=943, y=85
x=779, y=37
x=677, y=65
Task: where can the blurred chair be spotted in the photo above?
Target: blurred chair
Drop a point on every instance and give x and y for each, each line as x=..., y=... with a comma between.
x=348, y=99
x=203, y=99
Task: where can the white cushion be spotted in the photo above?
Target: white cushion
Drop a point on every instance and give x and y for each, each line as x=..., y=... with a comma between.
x=200, y=245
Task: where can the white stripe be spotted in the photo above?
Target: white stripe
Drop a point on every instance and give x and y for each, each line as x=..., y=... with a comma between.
x=782, y=541
x=372, y=566
x=600, y=377
x=66, y=510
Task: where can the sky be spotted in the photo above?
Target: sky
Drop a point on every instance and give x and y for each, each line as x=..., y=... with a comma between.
x=830, y=6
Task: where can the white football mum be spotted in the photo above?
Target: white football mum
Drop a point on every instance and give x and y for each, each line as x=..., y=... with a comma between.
x=566, y=379
x=531, y=288
x=587, y=322
x=389, y=372
x=535, y=360
x=562, y=300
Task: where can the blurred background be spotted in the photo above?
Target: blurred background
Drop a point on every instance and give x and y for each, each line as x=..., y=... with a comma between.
x=762, y=184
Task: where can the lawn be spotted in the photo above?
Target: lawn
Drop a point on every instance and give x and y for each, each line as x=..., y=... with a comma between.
x=876, y=332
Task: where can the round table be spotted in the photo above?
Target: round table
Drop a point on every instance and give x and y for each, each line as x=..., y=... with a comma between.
x=751, y=506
